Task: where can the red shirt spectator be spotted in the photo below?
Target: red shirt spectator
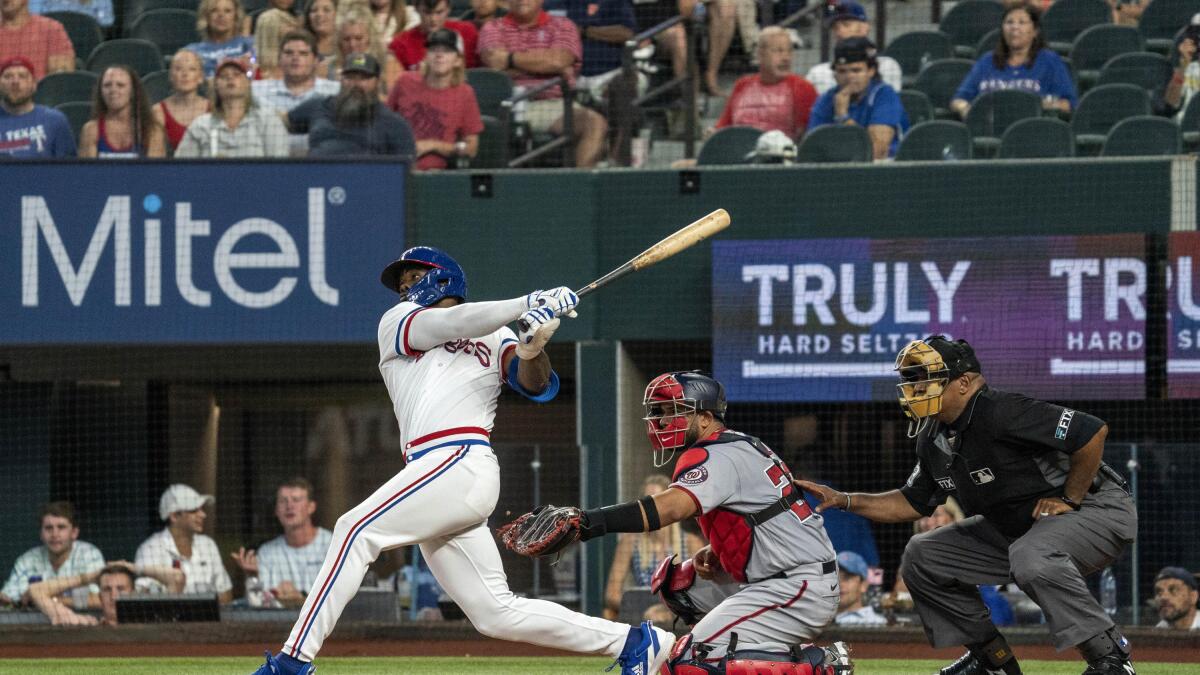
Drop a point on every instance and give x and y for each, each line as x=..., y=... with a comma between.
x=546, y=32
x=40, y=39
x=774, y=98
x=409, y=46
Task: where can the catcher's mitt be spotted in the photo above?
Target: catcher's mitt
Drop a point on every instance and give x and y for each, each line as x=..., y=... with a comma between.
x=547, y=530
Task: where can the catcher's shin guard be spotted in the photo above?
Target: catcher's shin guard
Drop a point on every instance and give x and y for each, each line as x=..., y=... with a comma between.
x=671, y=581
x=685, y=661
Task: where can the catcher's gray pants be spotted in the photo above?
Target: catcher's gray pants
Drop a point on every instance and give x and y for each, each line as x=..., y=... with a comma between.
x=943, y=568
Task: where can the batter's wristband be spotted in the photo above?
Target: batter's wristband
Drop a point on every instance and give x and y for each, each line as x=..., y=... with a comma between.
x=625, y=517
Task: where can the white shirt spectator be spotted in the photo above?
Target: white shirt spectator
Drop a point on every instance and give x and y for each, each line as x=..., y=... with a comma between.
x=1166, y=624
x=278, y=562
x=274, y=94
x=204, y=570
x=1191, y=84
x=867, y=616
x=260, y=134
x=821, y=75
x=84, y=558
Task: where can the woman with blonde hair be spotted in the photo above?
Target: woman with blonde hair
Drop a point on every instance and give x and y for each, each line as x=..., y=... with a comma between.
x=236, y=127
x=175, y=112
x=393, y=16
x=638, y=555
x=219, y=22
x=320, y=19
x=357, y=33
x=272, y=25
x=122, y=126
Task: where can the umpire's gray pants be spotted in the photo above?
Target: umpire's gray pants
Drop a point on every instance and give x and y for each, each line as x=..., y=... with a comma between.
x=943, y=568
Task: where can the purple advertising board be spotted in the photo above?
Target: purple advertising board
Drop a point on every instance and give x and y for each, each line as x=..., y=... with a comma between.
x=1183, y=303
x=822, y=319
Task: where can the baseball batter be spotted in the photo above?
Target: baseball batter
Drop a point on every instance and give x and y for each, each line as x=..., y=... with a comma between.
x=444, y=361
x=768, y=579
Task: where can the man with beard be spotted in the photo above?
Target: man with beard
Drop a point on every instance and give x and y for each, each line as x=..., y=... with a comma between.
x=28, y=129
x=354, y=122
x=1175, y=594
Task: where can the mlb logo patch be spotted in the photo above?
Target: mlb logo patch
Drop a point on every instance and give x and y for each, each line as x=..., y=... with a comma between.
x=1064, y=423
x=983, y=476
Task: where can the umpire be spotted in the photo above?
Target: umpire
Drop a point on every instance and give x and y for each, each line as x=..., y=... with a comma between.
x=1044, y=511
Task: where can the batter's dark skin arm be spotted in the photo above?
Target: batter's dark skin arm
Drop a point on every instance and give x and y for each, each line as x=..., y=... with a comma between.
x=881, y=507
x=532, y=374
x=1084, y=464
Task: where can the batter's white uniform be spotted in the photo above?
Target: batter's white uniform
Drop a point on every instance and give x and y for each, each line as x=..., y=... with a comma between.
x=445, y=402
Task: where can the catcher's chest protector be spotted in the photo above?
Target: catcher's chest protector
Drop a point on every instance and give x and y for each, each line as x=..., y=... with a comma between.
x=731, y=538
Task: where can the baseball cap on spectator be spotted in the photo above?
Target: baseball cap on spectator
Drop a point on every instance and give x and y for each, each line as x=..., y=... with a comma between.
x=846, y=10
x=444, y=37
x=773, y=146
x=238, y=63
x=1179, y=573
x=852, y=563
x=180, y=497
x=16, y=61
x=853, y=50
x=361, y=62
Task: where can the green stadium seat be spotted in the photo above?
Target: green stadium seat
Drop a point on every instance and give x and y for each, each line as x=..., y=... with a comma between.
x=491, y=145
x=157, y=85
x=917, y=49
x=993, y=112
x=82, y=29
x=1096, y=46
x=1162, y=19
x=940, y=80
x=1037, y=137
x=835, y=143
x=252, y=6
x=1100, y=109
x=135, y=8
x=58, y=88
x=169, y=29
x=1145, y=69
x=1145, y=136
x=1189, y=124
x=78, y=113
x=491, y=87
x=935, y=141
x=987, y=43
x=1066, y=19
x=970, y=20
x=142, y=55
x=729, y=146
x=917, y=105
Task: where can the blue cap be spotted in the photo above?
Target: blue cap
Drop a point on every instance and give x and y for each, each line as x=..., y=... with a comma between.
x=852, y=563
x=844, y=10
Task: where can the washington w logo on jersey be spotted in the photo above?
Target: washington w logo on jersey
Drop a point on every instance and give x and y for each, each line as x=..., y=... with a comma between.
x=693, y=476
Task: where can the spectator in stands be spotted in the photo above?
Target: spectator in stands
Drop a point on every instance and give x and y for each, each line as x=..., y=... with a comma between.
x=269, y=32
x=862, y=98
x=673, y=41
x=100, y=10
x=483, y=11
x=393, y=17
x=638, y=555
x=182, y=544
x=250, y=23
x=237, y=125
x=438, y=103
x=298, y=76
x=409, y=46
x=1127, y=12
x=1176, y=595
x=122, y=125
x=357, y=34
x=41, y=40
x=944, y=514
x=219, y=22
x=175, y=112
x=61, y=554
x=1020, y=61
x=604, y=26
x=847, y=19
x=354, y=122
x=852, y=577
x=1186, y=80
x=26, y=128
x=320, y=19
x=532, y=47
x=775, y=98
x=288, y=564
x=115, y=579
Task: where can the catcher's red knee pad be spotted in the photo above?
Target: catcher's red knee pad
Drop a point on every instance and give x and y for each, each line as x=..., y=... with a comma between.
x=671, y=581
x=744, y=667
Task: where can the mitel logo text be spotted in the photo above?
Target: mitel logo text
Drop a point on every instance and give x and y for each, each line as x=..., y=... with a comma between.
x=190, y=233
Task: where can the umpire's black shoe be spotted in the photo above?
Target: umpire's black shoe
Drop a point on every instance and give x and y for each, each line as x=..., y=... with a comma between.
x=1115, y=663
x=970, y=664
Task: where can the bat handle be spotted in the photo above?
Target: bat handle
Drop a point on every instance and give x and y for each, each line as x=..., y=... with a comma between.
x=524, y=325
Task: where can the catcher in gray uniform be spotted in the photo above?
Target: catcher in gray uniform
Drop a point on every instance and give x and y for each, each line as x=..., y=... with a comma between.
x=768, y=579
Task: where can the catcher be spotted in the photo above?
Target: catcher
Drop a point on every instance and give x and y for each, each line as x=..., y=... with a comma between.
x=768, y=581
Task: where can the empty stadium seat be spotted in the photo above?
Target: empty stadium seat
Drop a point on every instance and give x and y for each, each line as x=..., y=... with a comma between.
x=157, y=85
x=917, y=105
x=970, y=20
x=1037, y=137
x=169, y=29
x=1100, y=109
x=135, y=8
x=940, y=80
x=1162, y=19
x=937, y=140
x=142, y=55
x=1146, y=136
x=82, y=29
x=987, y=43
x=835, y=143
x=78, y=113
x=491, y=87
x=1097, y=45
x=1066, y=19
x=491, y=145
x=916, y=49
x=729, y=146
x=993, y=112
x=58, y=88
x=1144, y=69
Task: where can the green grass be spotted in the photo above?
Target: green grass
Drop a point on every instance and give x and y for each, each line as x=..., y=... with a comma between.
x=471, y=666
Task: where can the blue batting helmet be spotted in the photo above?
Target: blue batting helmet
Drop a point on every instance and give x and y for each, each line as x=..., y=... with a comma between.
x=445, y=278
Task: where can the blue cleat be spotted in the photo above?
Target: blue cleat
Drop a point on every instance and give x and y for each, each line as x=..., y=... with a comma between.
x=281, y=664
x=646, y=656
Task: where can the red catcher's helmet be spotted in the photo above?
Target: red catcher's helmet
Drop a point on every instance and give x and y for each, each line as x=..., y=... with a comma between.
x=669, y=399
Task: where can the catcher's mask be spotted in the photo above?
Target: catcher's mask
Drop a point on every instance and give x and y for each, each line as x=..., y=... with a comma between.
x=670, y=400
x=925, y=368
x=445, y=277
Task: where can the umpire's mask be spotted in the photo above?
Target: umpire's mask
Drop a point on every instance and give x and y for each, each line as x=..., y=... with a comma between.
x=925, y=367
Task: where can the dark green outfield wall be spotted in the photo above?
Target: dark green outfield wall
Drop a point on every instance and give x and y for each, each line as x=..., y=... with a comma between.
x=541, y=229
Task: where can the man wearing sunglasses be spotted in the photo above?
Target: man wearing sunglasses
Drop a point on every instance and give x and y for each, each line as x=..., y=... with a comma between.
x=1044, y=510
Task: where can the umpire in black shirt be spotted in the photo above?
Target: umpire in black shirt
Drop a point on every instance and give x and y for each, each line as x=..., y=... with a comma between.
x=1044, y=511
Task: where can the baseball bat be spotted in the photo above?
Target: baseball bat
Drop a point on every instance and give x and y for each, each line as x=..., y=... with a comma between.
x=680, y=240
